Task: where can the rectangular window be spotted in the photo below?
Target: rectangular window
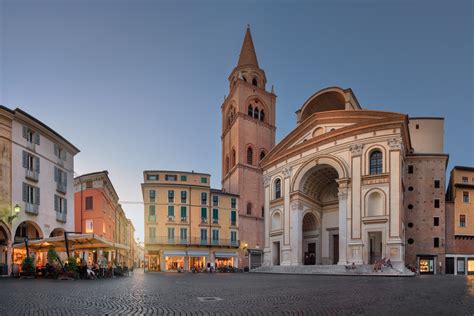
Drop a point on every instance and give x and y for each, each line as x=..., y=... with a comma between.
x=203, y=235
x=215, y=216
x=184, y=197
x=465, y=180
x=233, y=202
x=30, y=162
x=170, y=196
x=60, y=204
x=203, y=214
x=233, y=218
x=31, y=194
x=436, y=221
x=152, y=177
x=170, y=211
x=436, y=203
x=89, y=225
x=152, y=195
x=436, y=242
x=184, y=178
x=233, y=237
x=89, y=203
x=184, y=235
x=171, y=177
x=215, y=200
x=462, y=220
x=215, y=236
x=203, y=180
x=170, y=234
x=60, y=177
x=152, y=232
x=31, y=136
x=151, y=213
x=59, y=152
x=436, y=184
x=410, y=169
x=88, y=184
x=203, y=198
x=465, y=197
x=183, y=213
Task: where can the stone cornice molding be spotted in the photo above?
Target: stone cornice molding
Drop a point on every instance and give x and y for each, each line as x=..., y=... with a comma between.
x=286, y=172
x=395, y=144
x=356, y=149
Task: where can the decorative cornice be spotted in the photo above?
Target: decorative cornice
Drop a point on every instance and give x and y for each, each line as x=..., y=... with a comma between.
x=395, y=144
x=356, y=149
x=295, y=206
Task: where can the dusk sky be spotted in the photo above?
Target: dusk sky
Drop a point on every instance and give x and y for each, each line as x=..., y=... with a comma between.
x=138, y=85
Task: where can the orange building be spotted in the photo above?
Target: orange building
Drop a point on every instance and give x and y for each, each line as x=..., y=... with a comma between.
x=97, y=210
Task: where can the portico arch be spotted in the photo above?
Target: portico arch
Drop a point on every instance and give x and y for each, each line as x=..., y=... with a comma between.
x=28, y=229
x=5, y=237
x=57, y=232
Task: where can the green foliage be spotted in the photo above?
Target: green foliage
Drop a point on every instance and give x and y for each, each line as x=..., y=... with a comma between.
x=72, y=264
x=52, y=255
x=28, y=265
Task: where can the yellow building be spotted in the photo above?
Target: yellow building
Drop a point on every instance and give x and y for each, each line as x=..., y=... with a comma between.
x=188, y=224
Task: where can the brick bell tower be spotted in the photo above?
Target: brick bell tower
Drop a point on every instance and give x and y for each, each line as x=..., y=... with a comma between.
x=248, y=134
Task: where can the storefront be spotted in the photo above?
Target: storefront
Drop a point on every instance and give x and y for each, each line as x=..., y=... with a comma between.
x=197, y=260
x=174, y=259
x=470, y=265
x=427, y=265
x=152, y=261
x=225, y=259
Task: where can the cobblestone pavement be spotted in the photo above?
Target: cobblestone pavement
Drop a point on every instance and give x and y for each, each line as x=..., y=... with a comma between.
x=241, y=293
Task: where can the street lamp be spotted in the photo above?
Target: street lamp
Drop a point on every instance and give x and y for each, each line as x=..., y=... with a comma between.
x=16, y=210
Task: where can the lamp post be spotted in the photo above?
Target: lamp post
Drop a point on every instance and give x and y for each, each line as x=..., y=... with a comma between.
x=16, y=210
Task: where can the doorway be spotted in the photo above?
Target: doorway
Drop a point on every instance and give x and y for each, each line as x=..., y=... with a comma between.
x=335, y=249
x=310, y=255
x=375, y=246
x=276, y=253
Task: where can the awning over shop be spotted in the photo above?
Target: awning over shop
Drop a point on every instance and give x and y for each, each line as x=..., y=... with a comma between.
x=174, y=253
x=198, y=253
x=225, y=254
x=75, y=242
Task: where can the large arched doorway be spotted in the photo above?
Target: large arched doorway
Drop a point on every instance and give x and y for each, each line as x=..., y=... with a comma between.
x=320, y=187
x=57, y=232
x=27, y=229
x=4, y=240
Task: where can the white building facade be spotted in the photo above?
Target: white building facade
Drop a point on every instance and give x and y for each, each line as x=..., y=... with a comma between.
x=334, y=185
x=37, y=179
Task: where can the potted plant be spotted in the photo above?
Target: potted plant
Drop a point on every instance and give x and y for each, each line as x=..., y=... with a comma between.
x=28, y=268
x=69, y=271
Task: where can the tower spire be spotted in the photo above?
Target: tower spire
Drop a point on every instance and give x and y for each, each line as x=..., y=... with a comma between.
x=247, y=53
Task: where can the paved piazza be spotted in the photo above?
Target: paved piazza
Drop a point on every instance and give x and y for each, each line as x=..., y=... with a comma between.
x=242, y=293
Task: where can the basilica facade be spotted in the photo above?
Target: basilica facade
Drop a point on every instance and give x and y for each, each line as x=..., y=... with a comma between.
x=335, y=187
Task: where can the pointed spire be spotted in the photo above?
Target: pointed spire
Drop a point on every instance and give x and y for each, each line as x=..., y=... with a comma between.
x=247, y=53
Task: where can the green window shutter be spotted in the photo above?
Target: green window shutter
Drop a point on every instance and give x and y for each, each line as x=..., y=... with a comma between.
x=203, y=212
x=183, y=211
x=184, y=178
x=233, y=216
x=64, y=205
x=170, y=210
x=56, y=203
x=215, y=213
x=25, y=132
x=37, y=164
x=56, y=150
x=37, y=138
x=37, y=196
x=25, y=159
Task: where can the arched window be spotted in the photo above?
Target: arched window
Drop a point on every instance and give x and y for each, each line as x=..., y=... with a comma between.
x=249, y=208
x=255, y=113
x=250, y=110
x=233, y=157
x=277, y=188
x=250, y=155
x=376, y=162
x=262, y=155
x=254, y=82
x=262, y=115
x=245, y=79
x=227, y=164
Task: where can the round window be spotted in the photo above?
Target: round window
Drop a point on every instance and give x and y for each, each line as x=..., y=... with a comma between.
x=410, y=206
x=410, y=225
x=410, y=241
x=410, y=188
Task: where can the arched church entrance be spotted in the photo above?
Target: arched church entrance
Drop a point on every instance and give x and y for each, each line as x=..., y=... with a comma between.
x=321, y=232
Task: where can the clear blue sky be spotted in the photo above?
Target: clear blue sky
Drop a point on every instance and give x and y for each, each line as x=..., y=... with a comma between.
x=138, y=84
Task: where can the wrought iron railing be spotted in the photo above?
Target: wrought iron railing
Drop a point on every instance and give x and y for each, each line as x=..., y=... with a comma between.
x=31, y=174
x=31, y=208
x=193, y=241
x=61, y=217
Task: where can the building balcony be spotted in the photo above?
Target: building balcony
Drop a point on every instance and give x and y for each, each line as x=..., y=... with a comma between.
x=61, y=217
x=31, y=146
x=194, y=241
x=184, y=219
x=203, y=220
x=31, y=208
x=215, y=221
x=61, y=187
x=31, y=175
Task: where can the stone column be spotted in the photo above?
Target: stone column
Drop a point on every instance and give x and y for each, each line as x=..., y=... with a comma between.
x=286, y=195
x=267, y=260
x=296, y=233
x=342, y=221
x=9, y=256
x=355, y=241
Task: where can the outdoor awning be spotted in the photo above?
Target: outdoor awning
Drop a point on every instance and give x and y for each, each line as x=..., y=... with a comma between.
x=75, y=242
x=171, y=253
x=198, y=253
x=225, y=254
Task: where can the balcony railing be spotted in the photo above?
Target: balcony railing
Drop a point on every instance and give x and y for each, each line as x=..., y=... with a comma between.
x=204, y=220
x=31, y=146
x=170, y=218
x=61, y=187
x=233, y=223
x=61, y=217
x=31, y=175
x=31, y=208
x=194, y=241
x=183, y=219
x=215, y=221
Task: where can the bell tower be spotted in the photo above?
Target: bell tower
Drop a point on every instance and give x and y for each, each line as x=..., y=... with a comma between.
x=248, y=134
